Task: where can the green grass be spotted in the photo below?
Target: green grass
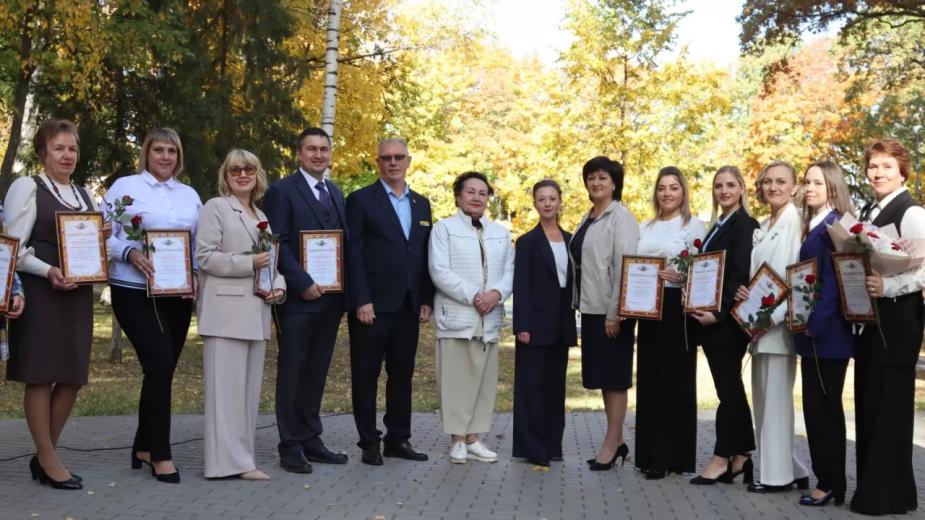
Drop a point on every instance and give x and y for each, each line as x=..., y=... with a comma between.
x=114, y=387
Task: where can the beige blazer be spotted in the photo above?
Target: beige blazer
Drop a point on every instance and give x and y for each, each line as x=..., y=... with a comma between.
x=227, y=306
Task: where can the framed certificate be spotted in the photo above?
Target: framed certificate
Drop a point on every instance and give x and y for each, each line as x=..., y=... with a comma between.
x=322, y=255
x=850, y=275
x=641, y=287
x=766, y=282
x=704, y=290
x=263, y=278
x=802, y=293
x=170, y=250
x=81, y=246
x=9, y=249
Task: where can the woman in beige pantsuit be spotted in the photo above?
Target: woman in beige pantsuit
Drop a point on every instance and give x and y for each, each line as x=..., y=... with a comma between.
x=233, y=321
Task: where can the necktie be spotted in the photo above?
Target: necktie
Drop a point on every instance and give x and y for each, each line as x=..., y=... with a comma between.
x=323, y=196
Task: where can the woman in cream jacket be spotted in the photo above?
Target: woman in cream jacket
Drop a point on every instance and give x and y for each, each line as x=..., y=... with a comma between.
x=233, y=321
x=777, y=243
x=471, y=263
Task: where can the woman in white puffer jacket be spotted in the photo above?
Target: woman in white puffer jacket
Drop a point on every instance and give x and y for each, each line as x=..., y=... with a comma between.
x=472, y=266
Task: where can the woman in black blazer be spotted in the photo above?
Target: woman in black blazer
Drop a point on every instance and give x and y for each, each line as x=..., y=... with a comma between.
x=724, y=344
x=544, y=324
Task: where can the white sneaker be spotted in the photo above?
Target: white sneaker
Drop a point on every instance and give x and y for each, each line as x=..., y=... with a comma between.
x=458, y=453
x=479, y=452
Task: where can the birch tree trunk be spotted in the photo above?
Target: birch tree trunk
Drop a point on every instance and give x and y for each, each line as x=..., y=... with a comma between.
x=329, y=104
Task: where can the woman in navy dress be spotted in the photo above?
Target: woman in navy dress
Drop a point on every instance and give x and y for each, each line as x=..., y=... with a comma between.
x=826, y=345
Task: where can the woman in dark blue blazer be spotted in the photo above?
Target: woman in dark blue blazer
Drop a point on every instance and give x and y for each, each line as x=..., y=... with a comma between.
x=544, y=324
x=827, y=345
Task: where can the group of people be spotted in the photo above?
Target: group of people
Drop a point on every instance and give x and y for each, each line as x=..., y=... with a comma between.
x=402, y=269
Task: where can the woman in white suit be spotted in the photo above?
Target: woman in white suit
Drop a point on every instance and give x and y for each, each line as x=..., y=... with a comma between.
x=233, y=321
x=777, y=243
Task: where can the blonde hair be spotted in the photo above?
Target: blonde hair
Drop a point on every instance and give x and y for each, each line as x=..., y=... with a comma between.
x=764, y=171
x=239, y=157
x=675, y=172
x=743, y=198
x=162, y=135
x=836, y=189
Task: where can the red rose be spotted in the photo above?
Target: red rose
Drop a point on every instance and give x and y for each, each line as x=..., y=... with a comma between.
x=767, y=301
x=871, y=234
x=857, y=228
x=127, y=201
x=896, y=247
x=697, y=243
x=810, y=279
x=684, y=253
x=262, y=225
x=136, y=221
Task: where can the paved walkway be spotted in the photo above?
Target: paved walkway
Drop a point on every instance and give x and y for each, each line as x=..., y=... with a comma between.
x=400, y=489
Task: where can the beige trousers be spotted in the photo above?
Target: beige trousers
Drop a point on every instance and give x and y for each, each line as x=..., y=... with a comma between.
x=772, y=395
x=467, y=378
x=232, y=372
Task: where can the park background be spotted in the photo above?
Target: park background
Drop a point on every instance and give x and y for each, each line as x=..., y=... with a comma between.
x=802, y=80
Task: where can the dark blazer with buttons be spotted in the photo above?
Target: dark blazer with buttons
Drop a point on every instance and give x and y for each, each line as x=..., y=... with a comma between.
x=540, y=305
x=386, y=266
x=291, y=207
x=735, y=237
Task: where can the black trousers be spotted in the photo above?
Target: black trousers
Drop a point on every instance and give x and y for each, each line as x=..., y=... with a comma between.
x=306, y=344
x=884, y=401
x=539, y=400
x=735, y=432
x=823, y=382
x=666, y=391
x=158, y=350
x=393, y=336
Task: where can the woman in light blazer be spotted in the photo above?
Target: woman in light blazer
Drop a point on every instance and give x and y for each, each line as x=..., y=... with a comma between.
x=777, y=243
x=233, y=321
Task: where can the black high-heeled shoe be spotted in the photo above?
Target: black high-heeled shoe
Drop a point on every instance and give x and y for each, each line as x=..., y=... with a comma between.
x=808, y=500
x=700, y=480
x=38, y=473
x=167, y=478
x=136, y=462
x=747, y=471
x=34, y=463
x=621, y=453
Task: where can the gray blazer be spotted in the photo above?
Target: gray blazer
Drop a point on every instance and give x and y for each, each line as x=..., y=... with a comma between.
x=227, y=306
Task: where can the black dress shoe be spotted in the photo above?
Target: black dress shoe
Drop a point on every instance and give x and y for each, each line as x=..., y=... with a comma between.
x=372, y=455
x=758, y=487
x=295, y=464
x=38, y=473
x=403, y=451
x=654, y=474
x=325, y=456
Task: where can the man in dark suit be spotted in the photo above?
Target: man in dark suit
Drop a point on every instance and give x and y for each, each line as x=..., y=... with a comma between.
x=310, y=317
x=392, y=293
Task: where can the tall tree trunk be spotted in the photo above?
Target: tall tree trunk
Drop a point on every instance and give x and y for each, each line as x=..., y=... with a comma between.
x=329, y=104
x=20, y=96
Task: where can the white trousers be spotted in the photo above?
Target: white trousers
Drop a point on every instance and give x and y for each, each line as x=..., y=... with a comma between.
x=232, y=372
x=467, y=377
x=772, y=395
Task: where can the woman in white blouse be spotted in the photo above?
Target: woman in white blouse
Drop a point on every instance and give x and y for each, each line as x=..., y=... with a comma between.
x=777, y=243
x=50, y=343
x=156, y=327
x=666, y=363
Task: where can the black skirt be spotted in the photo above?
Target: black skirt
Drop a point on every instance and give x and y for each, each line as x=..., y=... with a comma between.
x=606, y=363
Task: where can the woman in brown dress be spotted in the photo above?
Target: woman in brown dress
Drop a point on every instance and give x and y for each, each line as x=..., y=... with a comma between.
x=50, y=343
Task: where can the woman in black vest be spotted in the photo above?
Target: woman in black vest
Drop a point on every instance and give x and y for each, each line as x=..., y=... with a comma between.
x=884, y=375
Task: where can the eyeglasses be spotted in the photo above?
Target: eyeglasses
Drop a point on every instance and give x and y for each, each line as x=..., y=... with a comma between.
x=236, y=171
x=399, y=157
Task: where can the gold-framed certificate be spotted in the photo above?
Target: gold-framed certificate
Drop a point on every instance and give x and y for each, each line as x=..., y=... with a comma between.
x=322, y=257
x=641, y=287
x=170, y=251
x=802, y=278
x=851, y=278
x=263, y=277
x=82, y=247
x=9, y=249
x=704, y=291
x=766, y=290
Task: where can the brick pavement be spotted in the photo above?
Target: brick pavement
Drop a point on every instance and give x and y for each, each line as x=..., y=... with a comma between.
x=400, y=489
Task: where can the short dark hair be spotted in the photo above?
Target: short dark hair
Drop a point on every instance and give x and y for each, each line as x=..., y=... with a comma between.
x=612, y=168
x=48, y=130
x=463, y=177
x=547, y=183
x=312, y=130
